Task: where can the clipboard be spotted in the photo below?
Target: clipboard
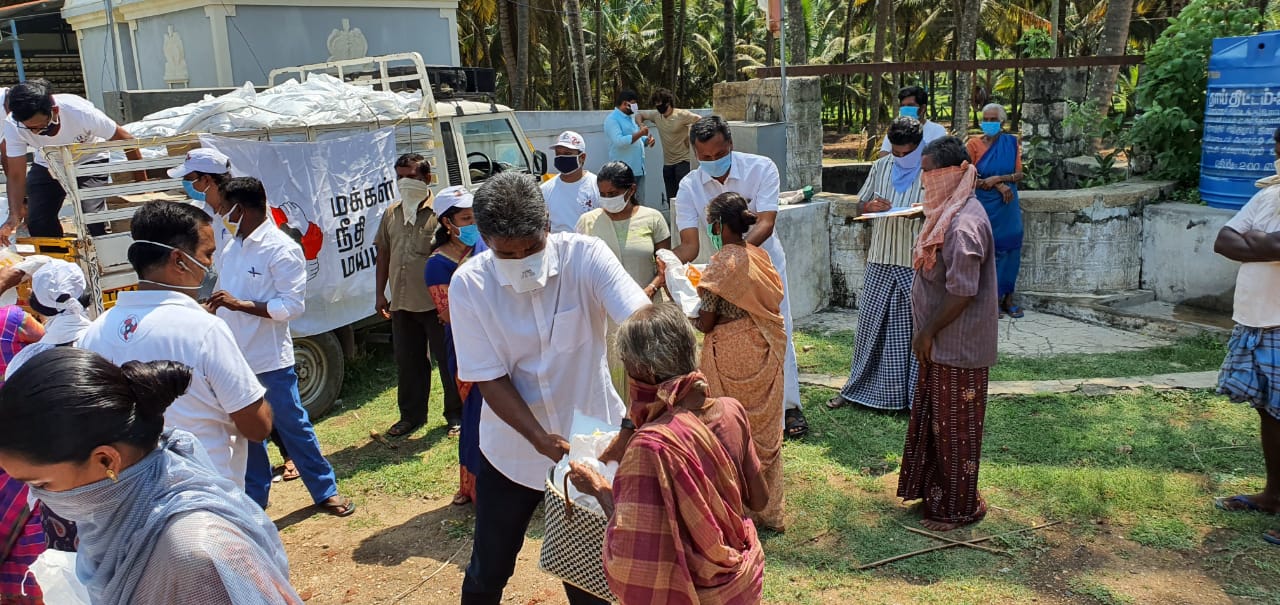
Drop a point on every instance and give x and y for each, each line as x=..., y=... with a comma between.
x=906, y=212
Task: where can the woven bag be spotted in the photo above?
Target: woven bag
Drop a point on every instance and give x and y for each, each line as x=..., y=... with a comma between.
x=573, y=545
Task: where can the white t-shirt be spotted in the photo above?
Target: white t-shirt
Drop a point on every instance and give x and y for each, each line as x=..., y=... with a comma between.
x=550, y=341
x=267, y=266
x=1257, y=300
x=153, y=325
x=568, y=201
x=81, y=123
x=932, y=132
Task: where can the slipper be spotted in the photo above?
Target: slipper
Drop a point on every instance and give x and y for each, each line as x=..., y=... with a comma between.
x=837, y=402
x=1239, y=503
x=344, y=508
x=461, y=499
x=795, y=424
x=402, y=428
x=290, y=472
x=1015, y=312
x=454, y=430
x=1272, y=536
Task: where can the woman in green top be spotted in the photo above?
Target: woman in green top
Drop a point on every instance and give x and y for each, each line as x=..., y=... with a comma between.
x=634, y=233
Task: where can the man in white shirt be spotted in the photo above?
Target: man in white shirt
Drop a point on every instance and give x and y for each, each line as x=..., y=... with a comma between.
x=262, y=281
x=172, y=253
x=38, y=119
x=58, y=294
x=755, y=178
x=529, y=318
x=913, y=102
x=573, y=192
x=1251, y=371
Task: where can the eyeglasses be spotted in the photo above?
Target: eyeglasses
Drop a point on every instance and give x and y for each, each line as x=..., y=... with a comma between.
x=52, y=124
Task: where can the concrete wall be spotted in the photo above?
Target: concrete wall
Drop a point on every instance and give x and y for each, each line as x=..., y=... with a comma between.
x=849, y=243
x=760, y=100
x=99, y=69
x=197, y=41
x=803, y=230
x=1178, y=262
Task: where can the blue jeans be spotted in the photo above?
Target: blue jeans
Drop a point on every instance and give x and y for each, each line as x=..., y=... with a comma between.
x=290, y=420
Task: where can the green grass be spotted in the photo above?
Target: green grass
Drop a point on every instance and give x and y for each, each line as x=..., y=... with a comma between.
x=830, y=353
x=1137, y=469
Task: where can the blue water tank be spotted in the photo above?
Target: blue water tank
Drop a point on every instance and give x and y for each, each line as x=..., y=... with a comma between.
x=1241, y=114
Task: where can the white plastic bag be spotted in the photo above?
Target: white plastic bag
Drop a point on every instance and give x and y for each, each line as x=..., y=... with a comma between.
x=55, y=571
x=682, y=290
x=589, y=439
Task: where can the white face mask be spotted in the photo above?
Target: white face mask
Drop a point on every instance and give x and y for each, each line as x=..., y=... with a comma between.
x=525, y=274
x=633, y=107
x=614, y=204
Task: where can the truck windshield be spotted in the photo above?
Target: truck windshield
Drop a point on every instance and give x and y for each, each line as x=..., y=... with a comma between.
x=492, y=147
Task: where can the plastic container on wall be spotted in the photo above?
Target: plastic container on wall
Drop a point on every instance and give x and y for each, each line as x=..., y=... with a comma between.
x=1241, y=114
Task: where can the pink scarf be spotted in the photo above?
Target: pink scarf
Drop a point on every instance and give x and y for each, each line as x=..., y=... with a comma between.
x=946, y=191
x=649, y=401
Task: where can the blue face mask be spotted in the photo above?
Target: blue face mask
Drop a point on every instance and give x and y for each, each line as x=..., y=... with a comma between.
x=192, y=192
x=718, y=168
x=909, y=112
x=717, y=241
x=991, y=129
x=469, y=235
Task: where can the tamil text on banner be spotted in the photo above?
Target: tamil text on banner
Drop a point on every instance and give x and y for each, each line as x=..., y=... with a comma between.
x=329, y=196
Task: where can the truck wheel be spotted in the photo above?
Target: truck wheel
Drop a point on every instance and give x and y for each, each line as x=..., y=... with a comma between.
x=320, y=365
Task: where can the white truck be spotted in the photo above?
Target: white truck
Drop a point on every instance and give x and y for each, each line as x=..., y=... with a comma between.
x=471, y=139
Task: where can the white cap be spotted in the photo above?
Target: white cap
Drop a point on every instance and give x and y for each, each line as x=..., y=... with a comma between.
x=571, y=140
x=204, y=159
x=58, y=285
x=452, y=197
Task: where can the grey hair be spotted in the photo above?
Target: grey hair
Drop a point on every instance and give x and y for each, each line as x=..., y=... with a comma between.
x=510, y=205
x=1004, y=115
x=946, y=152
x=660, y=339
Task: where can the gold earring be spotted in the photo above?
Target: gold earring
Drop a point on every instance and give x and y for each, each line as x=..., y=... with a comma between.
x=112, y=475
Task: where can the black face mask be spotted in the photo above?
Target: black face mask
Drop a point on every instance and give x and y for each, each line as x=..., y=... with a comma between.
x=662, y=108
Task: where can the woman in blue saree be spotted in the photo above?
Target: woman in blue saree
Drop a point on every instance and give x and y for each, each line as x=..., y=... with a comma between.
x=997, y=155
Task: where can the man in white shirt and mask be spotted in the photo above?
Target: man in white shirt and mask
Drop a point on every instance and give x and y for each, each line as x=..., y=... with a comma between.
x=755, y=178
x=58, y=294
x=529, y=318
x=573, y=192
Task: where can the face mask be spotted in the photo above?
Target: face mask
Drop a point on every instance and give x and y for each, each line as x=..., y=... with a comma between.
x=614, y=204
x=232, y=228
x=468, y=235
x=207, y=284
x=662, y=109
x=717, y=241
x=718, y=168
x=909, y=112
x=51, y=128
x=566, y=164
x=991, y=129
x=524, y=274
x=633, y=107
x=192, y=192
x=909, y=162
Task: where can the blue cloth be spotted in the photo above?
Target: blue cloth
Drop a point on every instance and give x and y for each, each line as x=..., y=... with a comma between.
x=1251, y=371
x=1006, y=218
x=291, y=422
x=173, y=497
x=620, y=127
x=439, y=271
x=906, y=169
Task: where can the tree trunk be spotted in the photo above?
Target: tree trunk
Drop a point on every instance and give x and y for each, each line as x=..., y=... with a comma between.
x=599, y=54
x=522, y=54
x=508, y=53
x=578, y=48
x=677, y=83
x=1115, y=37
x=1055, y=28
x=966, y=42
x=668, y=55
x=844, y=117
x=797, y=39
x=883, y=13
x=729, y=43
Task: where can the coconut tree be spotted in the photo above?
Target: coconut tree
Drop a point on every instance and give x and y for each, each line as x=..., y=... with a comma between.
x=1115, y=36
x=578, y=48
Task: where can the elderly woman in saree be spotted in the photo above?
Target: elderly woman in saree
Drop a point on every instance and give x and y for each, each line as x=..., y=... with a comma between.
x=678, y=531
x=883, y=372
x=156, y=524
x=998, y=157
x=746, y=341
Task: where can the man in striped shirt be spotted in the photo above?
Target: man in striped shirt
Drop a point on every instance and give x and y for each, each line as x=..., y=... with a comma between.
x=953, y=300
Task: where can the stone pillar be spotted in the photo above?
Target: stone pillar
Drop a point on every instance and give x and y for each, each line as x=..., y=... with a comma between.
x=1043, y=109
x=760, y=100
x=850, y=242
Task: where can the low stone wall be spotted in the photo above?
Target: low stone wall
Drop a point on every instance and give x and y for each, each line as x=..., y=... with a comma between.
x=850, y=241
x=803, y=230
x=760, y=100
x=845, y=178
x=1178, y=262
x=1085, y=240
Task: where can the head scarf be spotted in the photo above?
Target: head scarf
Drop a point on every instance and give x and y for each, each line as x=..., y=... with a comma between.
x=946, y=190
x=649, y=401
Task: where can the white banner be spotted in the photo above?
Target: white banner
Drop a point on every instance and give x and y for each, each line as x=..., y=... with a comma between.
x=329, y=196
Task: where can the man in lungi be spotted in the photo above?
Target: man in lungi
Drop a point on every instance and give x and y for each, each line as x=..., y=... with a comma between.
x=1252, y=367
x=953, y=301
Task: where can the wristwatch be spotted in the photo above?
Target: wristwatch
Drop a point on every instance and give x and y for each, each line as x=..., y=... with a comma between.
x=627, y=425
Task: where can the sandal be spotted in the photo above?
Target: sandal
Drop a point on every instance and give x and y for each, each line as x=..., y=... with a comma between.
x=837, y=402
x=1239, y=504
x=290, y=472
x=796, y=425
x=402, y=428
x=461, y=499
x=338, y=506
x=455, y=430
x=1015, y=312
x=1272, y=536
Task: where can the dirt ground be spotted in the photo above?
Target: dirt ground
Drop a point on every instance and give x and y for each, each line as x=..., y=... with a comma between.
x=844, y=147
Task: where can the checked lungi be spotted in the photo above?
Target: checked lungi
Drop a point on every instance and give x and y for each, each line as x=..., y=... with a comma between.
x=883, y=372
x=944, y=444
x=1251, y=371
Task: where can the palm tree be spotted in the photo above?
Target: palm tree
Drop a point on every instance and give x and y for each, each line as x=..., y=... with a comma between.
x=797, y=35
x=514, y=84
x=729, y=42
x=519, y=86
x=884, y=13
x=578, y=48
x=1115, y=36
x=966, y=40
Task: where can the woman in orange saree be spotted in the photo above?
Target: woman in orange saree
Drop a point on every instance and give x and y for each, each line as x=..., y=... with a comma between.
x=746, y=341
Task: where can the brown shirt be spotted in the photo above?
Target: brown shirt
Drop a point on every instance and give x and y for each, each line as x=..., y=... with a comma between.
x=966, y=267
x=673, y=131
x=409, y=247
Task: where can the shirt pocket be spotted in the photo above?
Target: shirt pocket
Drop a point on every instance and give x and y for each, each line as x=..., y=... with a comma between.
x=570, y=330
